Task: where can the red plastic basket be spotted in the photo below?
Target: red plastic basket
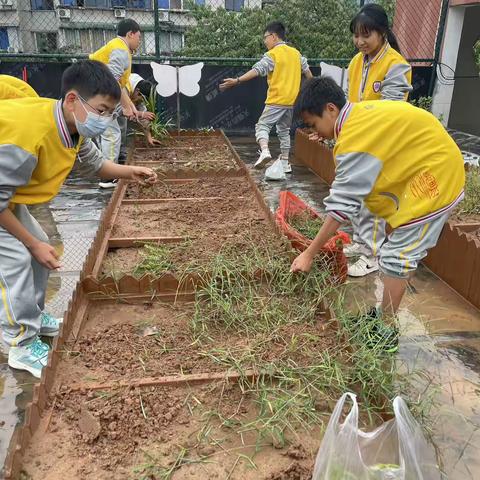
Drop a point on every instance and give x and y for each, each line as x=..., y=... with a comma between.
x=332, y=252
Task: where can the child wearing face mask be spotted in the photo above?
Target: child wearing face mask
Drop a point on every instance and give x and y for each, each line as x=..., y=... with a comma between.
x=377, y=72
x=35, y=159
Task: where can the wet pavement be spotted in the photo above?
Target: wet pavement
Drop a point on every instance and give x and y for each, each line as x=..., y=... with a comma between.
x=440, y=331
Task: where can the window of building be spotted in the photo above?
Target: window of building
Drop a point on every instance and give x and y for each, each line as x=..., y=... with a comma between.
x=4, y=42
x=42, y=5
x=46, y=42
x=234, y=5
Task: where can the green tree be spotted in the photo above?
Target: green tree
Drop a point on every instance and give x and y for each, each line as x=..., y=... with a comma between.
x=318, y=28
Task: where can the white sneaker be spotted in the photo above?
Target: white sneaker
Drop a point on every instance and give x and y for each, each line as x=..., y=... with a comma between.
x=50, y=325
x=108, y=183
x=355, y=250
x=287, y=168
x=363, y=266
x=32, y=357
x=263, y=159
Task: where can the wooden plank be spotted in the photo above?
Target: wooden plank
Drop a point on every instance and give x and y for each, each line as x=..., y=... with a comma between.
x=167, y=381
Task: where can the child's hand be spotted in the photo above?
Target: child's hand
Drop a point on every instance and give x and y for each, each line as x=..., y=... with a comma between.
x=153, y=141
x=45, y=255
x=303, y=263
x=143, y=175
x=315, y=137
x=228, y=83
x=150, y=116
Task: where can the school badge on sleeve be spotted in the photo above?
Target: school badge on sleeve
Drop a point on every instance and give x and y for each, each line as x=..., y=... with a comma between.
x=377, y=86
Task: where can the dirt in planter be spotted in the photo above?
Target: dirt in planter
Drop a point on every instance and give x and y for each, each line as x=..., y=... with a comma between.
x=218, y=156
x=190, y=218
x=475, y=234
x=196, y=141
x=122, y=342
x=161, y=433
x=185, y=256
x=205, y=187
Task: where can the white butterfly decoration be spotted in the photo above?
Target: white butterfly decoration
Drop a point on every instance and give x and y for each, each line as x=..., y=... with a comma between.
x=338, y=74
x=188, y=79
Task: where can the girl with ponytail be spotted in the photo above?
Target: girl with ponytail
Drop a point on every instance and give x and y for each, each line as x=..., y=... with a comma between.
x=377, y=72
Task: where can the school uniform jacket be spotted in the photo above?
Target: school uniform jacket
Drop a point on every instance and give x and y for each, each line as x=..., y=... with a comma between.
x=387, y=76
x=398, y=159
x=283, y=66
x=37, y=151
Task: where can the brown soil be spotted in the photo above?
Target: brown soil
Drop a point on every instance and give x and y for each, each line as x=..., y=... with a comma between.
x=220, y=187
x=141, y=433
x=213, y=153
x=227, y=217
x=464, y=218
x=198, y=141
x=156, y=339
x=134, y=341
x=475, y=234
x=189, y=255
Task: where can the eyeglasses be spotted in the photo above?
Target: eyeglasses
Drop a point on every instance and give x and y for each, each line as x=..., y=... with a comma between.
x=267, y=35
x=112, y=116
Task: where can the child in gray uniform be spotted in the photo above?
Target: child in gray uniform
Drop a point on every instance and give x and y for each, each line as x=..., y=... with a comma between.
x=283, y=66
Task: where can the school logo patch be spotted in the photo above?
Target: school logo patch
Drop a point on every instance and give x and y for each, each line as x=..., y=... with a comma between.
x=377, y=86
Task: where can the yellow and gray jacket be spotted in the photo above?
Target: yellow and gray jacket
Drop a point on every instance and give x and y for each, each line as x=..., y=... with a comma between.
x=283, y=66
x=117, y=57
x=398, y=159
x=387, y=76
x=13, y=87
x=36, y=157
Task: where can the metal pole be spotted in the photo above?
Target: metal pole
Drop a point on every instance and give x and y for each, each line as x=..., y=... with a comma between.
x=178, y=98
x=438, y=46
x=157, y=29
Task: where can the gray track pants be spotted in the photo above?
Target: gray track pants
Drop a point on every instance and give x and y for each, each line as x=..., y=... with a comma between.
x=281, y=118
x=23, y=283
x=111, y=141
x=369, y=230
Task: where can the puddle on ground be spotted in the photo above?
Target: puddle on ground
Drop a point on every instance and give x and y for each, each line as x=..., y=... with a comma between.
x=441, y=332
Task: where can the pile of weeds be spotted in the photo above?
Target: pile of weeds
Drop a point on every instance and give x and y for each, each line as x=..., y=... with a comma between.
x=471, y=203
x=305, y=224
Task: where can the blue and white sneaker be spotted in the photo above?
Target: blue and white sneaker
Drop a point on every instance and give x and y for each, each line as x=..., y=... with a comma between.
x=50, y=325
x=32, y=357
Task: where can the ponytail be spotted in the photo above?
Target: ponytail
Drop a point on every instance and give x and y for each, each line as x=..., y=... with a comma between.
x=392, y=40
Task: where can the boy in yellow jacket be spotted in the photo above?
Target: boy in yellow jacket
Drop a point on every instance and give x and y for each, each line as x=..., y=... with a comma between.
x=399, y=161
x=117, y=56
x=13, y=87
x=283, y=66
x=35, y=159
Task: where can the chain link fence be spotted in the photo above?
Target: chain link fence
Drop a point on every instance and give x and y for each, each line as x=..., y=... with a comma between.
x=214, y=30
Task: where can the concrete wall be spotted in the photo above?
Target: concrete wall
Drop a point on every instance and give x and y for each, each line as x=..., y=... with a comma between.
x=443, y=92
x=465, y=109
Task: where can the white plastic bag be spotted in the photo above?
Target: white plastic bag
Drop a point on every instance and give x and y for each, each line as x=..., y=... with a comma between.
x=397, y=450
x=275, y=171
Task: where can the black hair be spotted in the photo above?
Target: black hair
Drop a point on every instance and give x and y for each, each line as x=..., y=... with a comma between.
x=315, y=95
x=278, y=28
x=373, y=17
x=127, y=25
x=90, y=78
x=144, y=87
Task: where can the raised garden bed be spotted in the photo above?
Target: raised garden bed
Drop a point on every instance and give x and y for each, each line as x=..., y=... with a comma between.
x=199, y=188
x=191, y=156
x=188, y=218
x=314, y=155
x=227, y=374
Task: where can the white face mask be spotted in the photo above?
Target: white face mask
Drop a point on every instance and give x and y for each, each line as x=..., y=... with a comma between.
x=94, y=125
